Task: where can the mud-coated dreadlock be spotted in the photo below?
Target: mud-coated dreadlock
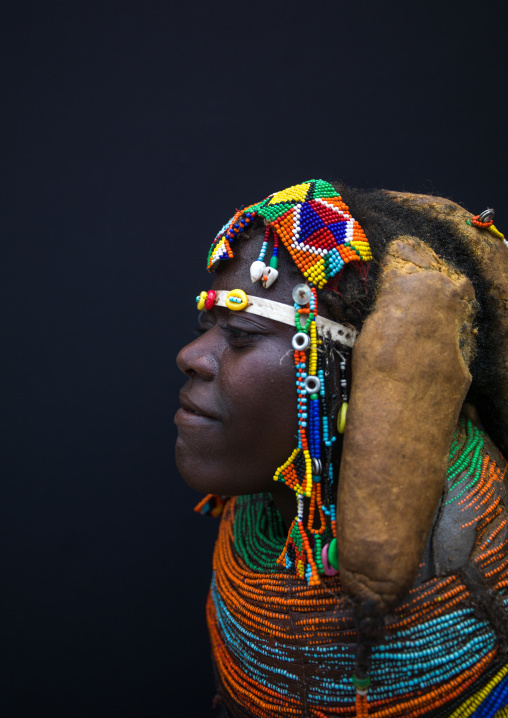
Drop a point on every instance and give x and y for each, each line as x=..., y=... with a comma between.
x=384, y=217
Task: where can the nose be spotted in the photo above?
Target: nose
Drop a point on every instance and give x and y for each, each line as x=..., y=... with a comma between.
x=197, y=359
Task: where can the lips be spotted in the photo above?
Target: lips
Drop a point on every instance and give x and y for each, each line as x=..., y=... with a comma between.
x=198, y=410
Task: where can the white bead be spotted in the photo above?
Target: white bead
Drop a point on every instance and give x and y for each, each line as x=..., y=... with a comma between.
x=256, y=270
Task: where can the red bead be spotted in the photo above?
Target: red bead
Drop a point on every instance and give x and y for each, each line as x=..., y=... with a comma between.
x=210, y=300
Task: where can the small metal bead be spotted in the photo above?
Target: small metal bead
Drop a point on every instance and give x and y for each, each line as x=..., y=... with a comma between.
x=317, y=467
x=486, y=215
x=300, y=341
x=312, y=385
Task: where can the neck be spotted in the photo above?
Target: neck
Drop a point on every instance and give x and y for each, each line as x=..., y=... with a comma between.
x=285, y=501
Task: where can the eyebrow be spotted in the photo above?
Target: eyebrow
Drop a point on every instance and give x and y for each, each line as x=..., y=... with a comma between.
x=264, y=323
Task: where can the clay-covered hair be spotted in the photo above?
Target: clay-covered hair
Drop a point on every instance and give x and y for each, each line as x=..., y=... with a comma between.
x=442, y=225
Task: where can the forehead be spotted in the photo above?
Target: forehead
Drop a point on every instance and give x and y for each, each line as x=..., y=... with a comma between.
x=235, y=273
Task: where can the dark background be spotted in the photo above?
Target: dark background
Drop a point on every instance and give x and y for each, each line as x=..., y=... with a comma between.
x=131, y=131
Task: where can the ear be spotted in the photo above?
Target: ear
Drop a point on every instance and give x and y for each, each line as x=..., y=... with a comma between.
x=410, y=378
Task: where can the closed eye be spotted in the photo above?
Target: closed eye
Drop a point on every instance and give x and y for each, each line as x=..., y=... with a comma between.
x=236, y=336
x=239, y=338
x=237, y=333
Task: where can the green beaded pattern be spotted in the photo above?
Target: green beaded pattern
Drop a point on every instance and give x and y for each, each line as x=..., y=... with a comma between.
x=259, y=532
x=466, y=458
x=260, y=535
x=298, y=323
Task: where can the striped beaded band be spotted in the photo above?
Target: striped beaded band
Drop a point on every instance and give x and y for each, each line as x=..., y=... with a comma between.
x=285, y=314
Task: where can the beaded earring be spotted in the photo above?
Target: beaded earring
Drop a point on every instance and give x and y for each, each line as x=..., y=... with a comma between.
x=321, y=236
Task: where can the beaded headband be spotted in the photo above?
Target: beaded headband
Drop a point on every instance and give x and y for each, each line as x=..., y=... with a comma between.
x=321, y=236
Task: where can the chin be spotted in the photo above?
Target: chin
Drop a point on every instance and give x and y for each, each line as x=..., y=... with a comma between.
x=202, y=473
x=187, y=467
x=198, y=473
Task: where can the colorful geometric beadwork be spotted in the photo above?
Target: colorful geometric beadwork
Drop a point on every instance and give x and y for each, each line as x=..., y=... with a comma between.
x=221, y=248
x=312, y=221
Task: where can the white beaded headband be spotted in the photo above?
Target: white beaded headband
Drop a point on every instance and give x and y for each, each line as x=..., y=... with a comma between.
x=237, y=300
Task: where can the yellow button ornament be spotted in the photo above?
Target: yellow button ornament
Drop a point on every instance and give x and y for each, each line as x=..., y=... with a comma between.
x=201, y=300
x=236, y=300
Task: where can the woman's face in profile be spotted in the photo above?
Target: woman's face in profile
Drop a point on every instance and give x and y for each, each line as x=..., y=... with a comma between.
x=238, y=418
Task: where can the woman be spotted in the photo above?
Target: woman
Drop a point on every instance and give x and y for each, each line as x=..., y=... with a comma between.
x=381, y=589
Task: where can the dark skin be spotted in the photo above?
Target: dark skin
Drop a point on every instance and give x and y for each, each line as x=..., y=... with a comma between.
x=241, y=381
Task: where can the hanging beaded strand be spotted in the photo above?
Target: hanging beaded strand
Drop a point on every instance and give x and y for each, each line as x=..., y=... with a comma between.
x=258, y=267
x=313, y=384
x=303, y=549
x=274, y=261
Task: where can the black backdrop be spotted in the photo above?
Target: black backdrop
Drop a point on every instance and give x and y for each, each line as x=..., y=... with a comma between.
x=131, y=131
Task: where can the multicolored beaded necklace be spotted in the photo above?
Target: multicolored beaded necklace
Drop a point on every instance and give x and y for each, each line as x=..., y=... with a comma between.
x=285, y=648
x=316, y=227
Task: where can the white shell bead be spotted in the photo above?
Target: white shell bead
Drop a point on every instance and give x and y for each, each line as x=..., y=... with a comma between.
x=269, y=276
x=256, y=270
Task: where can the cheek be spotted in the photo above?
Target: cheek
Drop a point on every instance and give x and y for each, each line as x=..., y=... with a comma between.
x=261, y=392
x=257, y=396
x=262, y=421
